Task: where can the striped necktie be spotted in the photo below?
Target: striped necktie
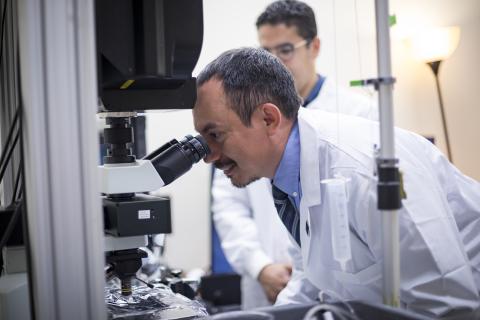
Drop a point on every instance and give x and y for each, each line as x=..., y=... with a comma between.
x=287, y=212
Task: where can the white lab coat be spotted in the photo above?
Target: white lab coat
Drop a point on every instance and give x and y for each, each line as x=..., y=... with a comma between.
x=439, y=221
x=247, y=222
x=252, y=235
x=335, y=99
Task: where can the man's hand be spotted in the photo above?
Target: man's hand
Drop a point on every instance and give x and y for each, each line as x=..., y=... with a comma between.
x=274, y=278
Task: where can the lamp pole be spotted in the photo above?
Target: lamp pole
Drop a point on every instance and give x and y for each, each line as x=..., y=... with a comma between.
x=435, y=66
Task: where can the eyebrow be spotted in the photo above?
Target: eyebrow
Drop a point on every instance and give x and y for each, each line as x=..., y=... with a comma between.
x=207, y=127
x=278, y=46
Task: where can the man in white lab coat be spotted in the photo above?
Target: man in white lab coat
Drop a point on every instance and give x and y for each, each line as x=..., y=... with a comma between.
x=248, y=111
x=288, y=30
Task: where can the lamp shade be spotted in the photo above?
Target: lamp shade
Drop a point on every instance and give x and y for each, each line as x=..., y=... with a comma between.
x=435, y=44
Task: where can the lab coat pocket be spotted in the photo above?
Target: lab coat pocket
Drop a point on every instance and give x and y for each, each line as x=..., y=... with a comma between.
x=315, y=246
x=364, y=284
x=307, y=233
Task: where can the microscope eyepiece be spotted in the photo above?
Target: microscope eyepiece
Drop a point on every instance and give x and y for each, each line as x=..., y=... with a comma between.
x=196, y=146
x=175, y=158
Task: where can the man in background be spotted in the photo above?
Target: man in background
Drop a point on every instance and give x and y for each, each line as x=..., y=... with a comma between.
x=253, y=238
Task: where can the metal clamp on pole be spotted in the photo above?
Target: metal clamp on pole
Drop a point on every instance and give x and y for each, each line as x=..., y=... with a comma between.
x=376, y=82
x=389, y=188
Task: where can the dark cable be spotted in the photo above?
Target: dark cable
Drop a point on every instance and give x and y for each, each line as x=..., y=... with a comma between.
x=3, y=155
x=8, y=156
x=3, y=30
x=336, y=311
x=151, y=286
x=20, y=189
x=17, y=183
x=9, y=137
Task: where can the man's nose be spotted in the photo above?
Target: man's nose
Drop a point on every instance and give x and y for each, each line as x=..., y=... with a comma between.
x=214, y=154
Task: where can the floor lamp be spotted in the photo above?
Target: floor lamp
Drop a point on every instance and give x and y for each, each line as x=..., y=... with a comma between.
x=433, y=47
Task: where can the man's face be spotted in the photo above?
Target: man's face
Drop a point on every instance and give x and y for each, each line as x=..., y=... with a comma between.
x=241, y=152
x=301, y=62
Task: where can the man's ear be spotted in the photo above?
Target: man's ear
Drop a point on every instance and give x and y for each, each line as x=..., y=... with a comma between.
x=315, y=44
x=271, y=117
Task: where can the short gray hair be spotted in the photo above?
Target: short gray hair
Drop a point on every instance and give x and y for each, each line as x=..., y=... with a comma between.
x=251, y=77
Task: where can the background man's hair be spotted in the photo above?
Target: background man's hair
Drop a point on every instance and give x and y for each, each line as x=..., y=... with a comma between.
x=291, y=13
x=251, y=77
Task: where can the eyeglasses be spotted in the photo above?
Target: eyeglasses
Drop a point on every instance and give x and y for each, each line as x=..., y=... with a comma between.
x=285, y=51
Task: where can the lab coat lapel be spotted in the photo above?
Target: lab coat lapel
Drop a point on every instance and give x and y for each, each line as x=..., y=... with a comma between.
x=309, y=178
x=309, y=161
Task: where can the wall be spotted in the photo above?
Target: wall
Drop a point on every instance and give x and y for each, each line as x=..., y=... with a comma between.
x=416, y=102
x=346, y=29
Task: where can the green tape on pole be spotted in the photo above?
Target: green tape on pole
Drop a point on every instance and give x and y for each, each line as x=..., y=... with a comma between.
x=356, y=83
x=392, y=20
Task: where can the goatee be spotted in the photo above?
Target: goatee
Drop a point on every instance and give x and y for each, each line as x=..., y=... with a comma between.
x=243, y=185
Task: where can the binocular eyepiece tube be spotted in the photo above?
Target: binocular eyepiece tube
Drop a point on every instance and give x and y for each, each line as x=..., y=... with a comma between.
x=175, y=158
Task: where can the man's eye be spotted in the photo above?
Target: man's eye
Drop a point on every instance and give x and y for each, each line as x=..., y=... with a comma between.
x=285, y=50
x=215, y=135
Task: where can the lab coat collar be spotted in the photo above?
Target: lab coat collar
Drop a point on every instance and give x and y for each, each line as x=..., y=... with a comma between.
x=315, y=90
x=309, y=160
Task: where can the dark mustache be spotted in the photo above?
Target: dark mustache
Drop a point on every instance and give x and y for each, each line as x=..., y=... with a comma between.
x=221, y=164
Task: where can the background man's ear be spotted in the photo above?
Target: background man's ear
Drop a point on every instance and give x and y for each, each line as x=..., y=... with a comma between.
x=315, y=44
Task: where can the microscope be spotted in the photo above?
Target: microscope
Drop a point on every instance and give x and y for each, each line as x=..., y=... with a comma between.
x=147, y=50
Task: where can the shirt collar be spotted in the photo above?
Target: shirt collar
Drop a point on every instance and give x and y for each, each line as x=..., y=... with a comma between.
x=315, y=90
x=287, y=176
